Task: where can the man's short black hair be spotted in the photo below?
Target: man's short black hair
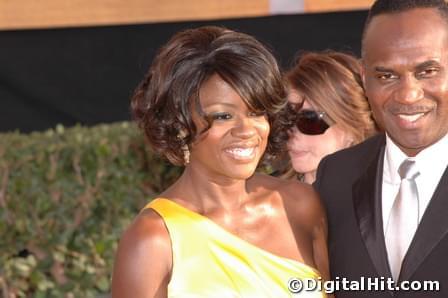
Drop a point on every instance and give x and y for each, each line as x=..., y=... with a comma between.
x=395, y=6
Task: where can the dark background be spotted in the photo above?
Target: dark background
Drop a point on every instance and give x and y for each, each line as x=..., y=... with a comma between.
x=86, y=75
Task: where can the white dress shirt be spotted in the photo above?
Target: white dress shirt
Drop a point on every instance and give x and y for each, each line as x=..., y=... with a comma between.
x=431, y=163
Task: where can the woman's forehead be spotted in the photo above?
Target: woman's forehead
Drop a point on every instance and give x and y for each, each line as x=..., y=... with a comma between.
x=216, y=91
x=294, y=96
x=306, y=104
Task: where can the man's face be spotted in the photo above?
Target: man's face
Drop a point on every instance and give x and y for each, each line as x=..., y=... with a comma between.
x=405, y=72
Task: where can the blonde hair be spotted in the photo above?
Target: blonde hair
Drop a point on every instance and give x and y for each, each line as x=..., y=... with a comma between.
x=331, y=82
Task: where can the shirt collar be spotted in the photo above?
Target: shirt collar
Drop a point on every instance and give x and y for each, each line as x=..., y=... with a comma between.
x=431, y=161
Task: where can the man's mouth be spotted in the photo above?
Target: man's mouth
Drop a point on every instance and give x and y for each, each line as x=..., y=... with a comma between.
x=411, y=117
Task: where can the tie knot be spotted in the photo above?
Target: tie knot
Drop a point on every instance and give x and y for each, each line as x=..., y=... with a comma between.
x=408, y=169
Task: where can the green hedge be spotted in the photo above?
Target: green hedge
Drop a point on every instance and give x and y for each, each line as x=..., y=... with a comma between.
x=65, y=197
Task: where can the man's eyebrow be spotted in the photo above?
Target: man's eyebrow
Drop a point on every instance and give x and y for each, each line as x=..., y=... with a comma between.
x=427, y=64
x=424, y=64
x=382, y=69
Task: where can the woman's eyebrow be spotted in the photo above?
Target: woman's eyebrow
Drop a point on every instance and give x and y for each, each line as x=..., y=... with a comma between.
x=220, y=104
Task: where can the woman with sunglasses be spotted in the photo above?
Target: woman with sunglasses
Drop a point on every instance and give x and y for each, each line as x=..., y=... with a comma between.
x=210, y=103
x=328, y=110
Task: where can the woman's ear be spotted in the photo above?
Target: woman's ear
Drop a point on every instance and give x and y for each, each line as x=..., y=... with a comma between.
x=349, y=140
x=346, y=138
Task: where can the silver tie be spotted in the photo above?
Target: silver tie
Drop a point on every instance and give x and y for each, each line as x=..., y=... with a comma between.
x=403, y=218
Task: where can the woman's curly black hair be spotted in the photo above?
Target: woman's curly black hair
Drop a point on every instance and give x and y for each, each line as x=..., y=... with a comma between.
x=162, y=103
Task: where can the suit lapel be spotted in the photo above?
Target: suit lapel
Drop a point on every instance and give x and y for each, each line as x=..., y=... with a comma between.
x=367, y=205
x=432, y=228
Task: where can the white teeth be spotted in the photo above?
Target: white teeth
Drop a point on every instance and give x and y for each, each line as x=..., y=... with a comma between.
x=411, y=118
x=241, y=152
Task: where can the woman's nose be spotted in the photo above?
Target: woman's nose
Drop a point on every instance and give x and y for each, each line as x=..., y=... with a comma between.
x=244, y=128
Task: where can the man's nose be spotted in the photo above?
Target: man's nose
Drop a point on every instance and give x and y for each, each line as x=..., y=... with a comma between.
x=409, y=90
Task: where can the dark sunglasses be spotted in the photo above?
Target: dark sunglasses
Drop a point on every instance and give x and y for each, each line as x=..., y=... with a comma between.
x=311, y=122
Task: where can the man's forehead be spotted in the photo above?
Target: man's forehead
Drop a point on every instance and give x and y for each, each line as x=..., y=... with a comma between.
x=414, y=21
x=417, y=30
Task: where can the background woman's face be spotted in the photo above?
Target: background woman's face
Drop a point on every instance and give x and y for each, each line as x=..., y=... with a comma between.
x=306, y=151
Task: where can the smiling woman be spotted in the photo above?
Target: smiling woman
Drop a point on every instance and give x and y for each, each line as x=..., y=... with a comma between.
x=210, y=102
x=237, y=137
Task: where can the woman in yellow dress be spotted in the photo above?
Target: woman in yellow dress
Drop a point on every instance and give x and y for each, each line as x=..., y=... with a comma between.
x=209, y=102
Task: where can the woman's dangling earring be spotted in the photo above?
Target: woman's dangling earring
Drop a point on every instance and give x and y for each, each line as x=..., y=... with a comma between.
x=186, y=154
x=181, y=135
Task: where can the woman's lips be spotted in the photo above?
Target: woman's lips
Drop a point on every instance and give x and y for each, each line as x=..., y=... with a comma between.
x=298, y=153
x=242, y=153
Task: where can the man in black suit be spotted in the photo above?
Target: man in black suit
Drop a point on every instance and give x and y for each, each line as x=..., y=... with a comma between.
x=387, y=198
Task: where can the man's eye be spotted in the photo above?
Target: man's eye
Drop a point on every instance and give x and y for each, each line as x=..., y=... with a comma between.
x=220, y=116
x=386, y=76
x=428, y=72
x=257, y=114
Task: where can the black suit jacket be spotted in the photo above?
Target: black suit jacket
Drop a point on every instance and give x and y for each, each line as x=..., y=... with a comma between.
x=349, y=183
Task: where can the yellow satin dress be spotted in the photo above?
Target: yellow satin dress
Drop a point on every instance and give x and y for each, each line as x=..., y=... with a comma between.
x=209, y=261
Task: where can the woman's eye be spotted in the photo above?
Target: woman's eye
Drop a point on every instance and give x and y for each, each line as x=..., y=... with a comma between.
x=221, y=116
x=257, y=114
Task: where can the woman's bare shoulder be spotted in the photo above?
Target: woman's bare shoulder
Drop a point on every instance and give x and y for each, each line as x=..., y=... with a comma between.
x=289, y=189
x=295, y=195
x=270, y=183
x=148, y=229
x=144, y=250
x=300, y=200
